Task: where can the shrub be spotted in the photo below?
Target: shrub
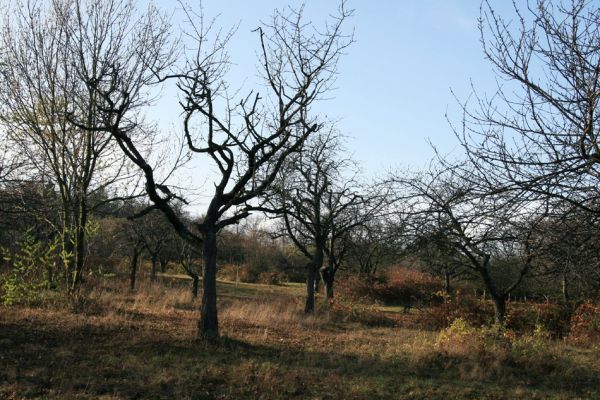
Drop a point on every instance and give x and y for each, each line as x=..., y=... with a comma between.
x=31, y=268
x=473, y=310
x=477, y=352
x=399, y=286
x=585, y=324
x=236, y=273
x=273, y=277
x=526, y=318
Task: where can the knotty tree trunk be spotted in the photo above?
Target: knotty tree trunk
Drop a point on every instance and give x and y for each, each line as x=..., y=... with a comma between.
x=195, y=281
x=208, y=326
x=133, y=268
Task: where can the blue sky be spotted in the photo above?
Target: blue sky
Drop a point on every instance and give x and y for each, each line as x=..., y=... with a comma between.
x=395, y=83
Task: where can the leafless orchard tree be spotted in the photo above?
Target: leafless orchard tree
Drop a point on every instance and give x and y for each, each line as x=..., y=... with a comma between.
x=352, y=206
x=375, y=243
x=46, y=46
x=155, y=234
x=493, y=231
x=539, y=131
x=438, y=254
x=319, y=202
x=247, y=139
x=190, y=259
x=571, y=257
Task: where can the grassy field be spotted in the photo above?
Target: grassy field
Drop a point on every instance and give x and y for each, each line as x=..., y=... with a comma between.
x=112, y=344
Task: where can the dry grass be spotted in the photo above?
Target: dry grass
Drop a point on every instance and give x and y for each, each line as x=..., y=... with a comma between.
x=113, y=344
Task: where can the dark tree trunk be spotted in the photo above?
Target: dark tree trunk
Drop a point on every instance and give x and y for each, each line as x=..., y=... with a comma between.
x=67, y=247
x=195, y=280
x=49, y=277
x=154, y=259
x=133, y=269
x=499, y=309
x=313, y=269
x=310, y=289
x=328, y=275
x=208, y=325
x=163, y=265
x=328, y=282
x=498, y=298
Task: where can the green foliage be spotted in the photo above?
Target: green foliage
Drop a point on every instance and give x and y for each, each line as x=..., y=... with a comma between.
x=32, y=268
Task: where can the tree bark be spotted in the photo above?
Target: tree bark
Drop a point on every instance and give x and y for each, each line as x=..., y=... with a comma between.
x=133, y=269
x=317, y=283
x=328, y=275
x=499, y=309
x=49, y=277
x=154, y=259
x=195, y=280
x=309, y=307
x=163, y=265
x=498, y=298
x=313, y=268
x=208, y=325
x=328, y=282
x=67, y=248
x=447, y=288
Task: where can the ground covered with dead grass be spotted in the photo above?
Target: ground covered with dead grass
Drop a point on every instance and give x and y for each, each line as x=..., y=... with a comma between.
x=113, y=344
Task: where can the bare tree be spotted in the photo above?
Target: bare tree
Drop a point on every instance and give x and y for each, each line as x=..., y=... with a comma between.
x=155, y=234
x=351, y=207
x=491, y=230
x=570, y=260
x=318, y=200
x=374, y=244
x=190, y=259
x=539, y=131
x=439, y=255
x=45, y=47
x=248, y=141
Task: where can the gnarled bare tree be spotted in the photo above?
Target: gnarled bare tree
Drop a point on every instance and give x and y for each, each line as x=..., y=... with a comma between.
x=490, y=230
x=246, y=139
x=319, y=202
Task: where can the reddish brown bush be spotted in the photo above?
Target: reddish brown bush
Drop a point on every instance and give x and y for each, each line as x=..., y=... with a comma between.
x=272, y=277
x=474, y=311
x=585, y=324
x=525, y=318
x=399, y=286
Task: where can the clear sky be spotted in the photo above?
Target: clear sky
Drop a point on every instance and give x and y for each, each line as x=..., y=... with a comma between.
x=395, y=83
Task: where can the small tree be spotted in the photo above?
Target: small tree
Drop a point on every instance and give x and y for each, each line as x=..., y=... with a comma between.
x=318, y=200
x=376, y=243
x=491, y=230
x=190, y=260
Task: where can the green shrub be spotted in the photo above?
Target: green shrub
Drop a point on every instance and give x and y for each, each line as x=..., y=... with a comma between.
x=31, y=268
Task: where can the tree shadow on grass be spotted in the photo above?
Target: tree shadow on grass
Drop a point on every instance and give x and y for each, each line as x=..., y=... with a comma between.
x=90, y=362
